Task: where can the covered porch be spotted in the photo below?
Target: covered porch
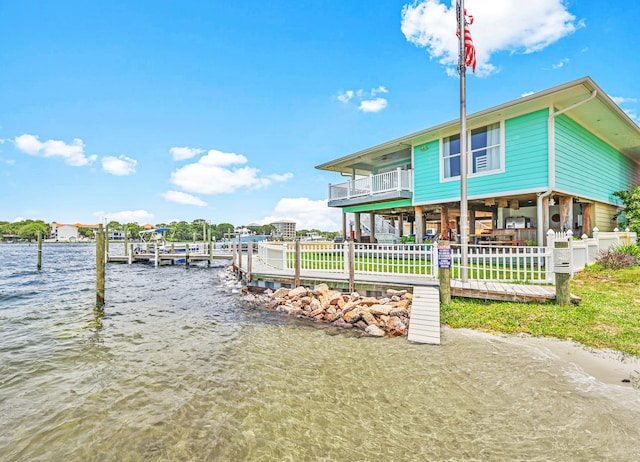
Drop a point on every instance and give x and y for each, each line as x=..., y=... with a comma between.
x=498, y=221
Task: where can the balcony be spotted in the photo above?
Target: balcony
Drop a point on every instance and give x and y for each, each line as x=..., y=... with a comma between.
x=393, y=185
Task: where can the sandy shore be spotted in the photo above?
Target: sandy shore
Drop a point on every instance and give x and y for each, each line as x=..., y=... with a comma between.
x=605, y=365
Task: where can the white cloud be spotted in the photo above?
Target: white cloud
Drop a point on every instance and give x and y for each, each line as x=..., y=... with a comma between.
x=373, y=105
x=18, y=219
x=126, y=216
x=621, y=100
x=368, y=102
x=499, y=25
x=120, y=166
x=280, y=178
x=73, y=153
x=2, y=141
x=185, y=153
x=561, y=64
x=345, y=96
x=183, y=198
x=10, y=162
x=307, y=213
x=212, y=174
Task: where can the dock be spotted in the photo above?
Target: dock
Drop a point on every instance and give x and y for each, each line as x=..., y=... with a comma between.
x=171, y=258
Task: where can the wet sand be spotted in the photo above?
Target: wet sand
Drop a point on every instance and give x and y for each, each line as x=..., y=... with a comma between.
x=605, y=365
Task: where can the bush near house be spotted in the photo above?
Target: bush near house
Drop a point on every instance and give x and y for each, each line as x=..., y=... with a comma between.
x=622, y=256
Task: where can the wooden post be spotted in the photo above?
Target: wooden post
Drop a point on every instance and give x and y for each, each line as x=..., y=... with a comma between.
x=239, y=259
x=249, y=261
x=232, y=248
x=209, y=238
x=352, y=262
x=566, y=213
x=444, y=222
x=358, y=235
x=563, y=290
x=296, y=280
x=131, y=254
x=419, y=224
x=444, y=271
x=372, y=227
x=100, y=253
x=586, y=218
x=344, y=226
x=126, y=242
x=39, y=250
x=186, y=252
x=106, y=243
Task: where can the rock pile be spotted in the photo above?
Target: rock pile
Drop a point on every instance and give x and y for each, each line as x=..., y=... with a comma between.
x=376, y=316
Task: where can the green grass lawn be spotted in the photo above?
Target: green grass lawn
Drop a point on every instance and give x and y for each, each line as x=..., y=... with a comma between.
x=607, y=317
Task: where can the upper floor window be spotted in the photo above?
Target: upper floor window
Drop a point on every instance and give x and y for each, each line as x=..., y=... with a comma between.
x=484, y=152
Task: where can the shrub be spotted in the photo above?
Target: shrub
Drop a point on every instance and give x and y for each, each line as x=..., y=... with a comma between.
x=631, y=249
x=612, y=258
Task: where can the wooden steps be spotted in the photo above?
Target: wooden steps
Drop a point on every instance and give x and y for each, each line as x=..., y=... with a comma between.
x=424, y=323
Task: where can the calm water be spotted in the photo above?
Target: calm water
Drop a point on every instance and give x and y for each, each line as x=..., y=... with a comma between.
x=180, y=368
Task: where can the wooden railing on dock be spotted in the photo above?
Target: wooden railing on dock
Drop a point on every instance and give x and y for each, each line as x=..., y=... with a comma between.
x=159, y=255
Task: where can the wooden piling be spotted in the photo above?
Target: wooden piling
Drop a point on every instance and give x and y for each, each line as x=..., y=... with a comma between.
x=444, y=271
x=239, y=259
x=563, y=290
x=186, y=251
x=209, y=238
x=126, y=242
x=39, y=250
x=296, y=280
x=100, y=267
x=352, y=263
x=249, y=260
x=106, y=243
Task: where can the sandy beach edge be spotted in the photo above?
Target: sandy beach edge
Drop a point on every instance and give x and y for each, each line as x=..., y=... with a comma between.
x=605, y=365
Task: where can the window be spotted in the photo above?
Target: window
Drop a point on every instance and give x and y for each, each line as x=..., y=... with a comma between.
x=484, y=152
x=451, y=156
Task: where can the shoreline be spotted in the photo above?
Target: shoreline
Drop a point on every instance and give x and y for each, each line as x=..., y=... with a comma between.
x=611, y=367
x=606, y=365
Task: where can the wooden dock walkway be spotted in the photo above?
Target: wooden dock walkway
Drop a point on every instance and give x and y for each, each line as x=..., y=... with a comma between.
x=265, y=276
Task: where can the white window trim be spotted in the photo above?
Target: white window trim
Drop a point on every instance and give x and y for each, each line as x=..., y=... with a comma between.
x=470, y=157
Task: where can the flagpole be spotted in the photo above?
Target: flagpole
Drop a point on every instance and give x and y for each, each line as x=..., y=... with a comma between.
x=464, y=226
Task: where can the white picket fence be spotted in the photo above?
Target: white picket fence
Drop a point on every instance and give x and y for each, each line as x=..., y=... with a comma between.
x=527, y=264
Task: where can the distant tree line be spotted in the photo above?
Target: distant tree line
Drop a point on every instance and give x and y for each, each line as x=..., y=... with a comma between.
x=24, y=230
x=180, y=231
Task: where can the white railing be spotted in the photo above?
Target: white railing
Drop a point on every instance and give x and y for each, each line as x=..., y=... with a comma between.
x=525, y=264
x=504, y=263
x=415, y=259
x=395, y=180
x=367, y=259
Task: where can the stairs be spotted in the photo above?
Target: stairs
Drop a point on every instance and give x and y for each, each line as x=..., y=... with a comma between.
x=424, y=323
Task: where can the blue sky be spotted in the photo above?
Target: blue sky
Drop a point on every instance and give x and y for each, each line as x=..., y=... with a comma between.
x=152, y=111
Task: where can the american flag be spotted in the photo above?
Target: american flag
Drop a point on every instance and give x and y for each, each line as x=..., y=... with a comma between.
x=469, y=49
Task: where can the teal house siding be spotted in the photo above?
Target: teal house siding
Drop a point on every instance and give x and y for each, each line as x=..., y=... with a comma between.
x=426, y=174
x=526, y=164
x=586, y=166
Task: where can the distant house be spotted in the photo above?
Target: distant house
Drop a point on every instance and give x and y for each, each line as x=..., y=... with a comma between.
x=63, y=233
x=284, y=229
x=549, y=160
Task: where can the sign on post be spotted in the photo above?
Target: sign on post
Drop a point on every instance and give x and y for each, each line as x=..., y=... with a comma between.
x=444, y=256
